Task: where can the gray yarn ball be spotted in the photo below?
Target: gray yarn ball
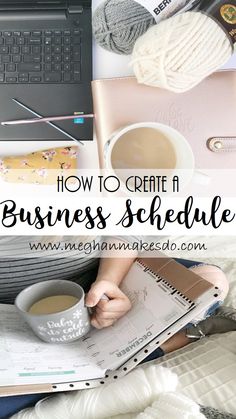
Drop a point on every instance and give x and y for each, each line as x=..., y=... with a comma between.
x=117, y=24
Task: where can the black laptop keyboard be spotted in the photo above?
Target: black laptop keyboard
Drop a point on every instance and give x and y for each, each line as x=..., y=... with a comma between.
x=40, y=56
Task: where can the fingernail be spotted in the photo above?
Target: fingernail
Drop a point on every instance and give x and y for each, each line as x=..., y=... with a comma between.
x=89, y=301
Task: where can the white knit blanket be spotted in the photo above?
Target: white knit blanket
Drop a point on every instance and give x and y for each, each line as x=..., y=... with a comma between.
x=146, y=393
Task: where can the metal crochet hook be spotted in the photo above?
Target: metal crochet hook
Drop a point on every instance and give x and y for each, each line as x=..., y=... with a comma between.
x=46, y=119
x=48, y=122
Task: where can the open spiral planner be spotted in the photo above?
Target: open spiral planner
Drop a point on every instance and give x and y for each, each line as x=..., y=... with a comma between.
x=165, y=297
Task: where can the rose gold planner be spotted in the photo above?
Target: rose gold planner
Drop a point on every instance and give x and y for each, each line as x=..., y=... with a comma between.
x=207, y=112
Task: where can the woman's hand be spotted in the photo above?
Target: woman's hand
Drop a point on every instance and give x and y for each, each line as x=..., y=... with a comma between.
x=106, y=312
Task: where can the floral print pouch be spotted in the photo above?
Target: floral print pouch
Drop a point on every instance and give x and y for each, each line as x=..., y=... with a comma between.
x=40, y=167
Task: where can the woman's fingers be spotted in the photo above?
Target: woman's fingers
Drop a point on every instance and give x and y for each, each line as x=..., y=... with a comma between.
x=107, y=311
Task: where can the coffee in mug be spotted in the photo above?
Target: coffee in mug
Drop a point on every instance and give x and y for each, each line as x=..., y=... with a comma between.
x=55, y=310
x=143, y=148
x=148, y=146
x=53, y=304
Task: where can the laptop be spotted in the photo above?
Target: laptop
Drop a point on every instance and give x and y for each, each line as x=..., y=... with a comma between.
x=46, y=64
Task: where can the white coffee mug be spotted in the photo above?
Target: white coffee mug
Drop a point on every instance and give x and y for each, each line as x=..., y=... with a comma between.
x=184, y=164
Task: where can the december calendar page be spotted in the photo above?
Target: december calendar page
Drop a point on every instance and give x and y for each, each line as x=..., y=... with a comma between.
x=154, y=309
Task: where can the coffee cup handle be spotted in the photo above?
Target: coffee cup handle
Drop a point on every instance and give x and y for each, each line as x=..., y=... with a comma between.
x=201, y=178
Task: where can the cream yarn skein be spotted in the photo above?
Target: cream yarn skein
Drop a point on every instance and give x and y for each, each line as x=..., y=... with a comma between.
x=180, y=52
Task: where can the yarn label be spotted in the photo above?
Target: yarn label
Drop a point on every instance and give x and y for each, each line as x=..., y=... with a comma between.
x=166, y=8
x=223, y=12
